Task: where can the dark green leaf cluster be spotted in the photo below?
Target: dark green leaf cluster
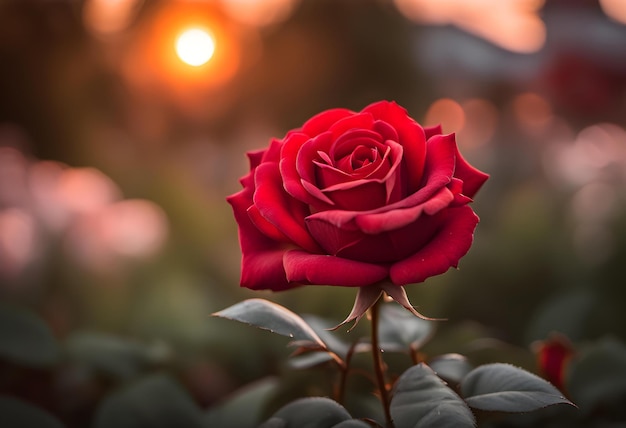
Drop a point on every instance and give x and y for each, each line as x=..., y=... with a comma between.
x=443, y=393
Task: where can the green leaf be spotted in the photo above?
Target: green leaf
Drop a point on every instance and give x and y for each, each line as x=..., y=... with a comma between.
x=308, y=360
x=598, y=376
x=273, y=317
x=506, y=388
x=312, y=412
x=421, y=399
x=323, y=328
x=115, y=356
x=317, y=357
x=352, y=423
x=451, y=367
x=252, y=398
x=400, y=329
x=19, y=414
x=25, y=339
x=156, y=402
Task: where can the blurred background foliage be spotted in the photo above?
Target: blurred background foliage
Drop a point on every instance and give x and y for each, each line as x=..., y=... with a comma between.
x=116, y=243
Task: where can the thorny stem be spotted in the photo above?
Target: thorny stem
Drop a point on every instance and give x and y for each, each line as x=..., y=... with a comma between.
x=379, y=364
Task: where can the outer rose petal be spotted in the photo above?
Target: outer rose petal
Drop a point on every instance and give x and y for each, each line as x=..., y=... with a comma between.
x=431, y=131
x=307, y=268
x=264, y=270
x=255, y=158
x=264, y=226
x=473, y=179
x=444, y=251
x=272, y=154
x=323, y=121
x=262, y=262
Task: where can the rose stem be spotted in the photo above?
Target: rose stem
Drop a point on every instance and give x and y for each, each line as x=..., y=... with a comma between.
x=413, y=352
x=379, y=364
x=343, y=375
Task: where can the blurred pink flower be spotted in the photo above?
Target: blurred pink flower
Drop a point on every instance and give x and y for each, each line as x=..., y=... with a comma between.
x=17, y=241
x=41, y=201
x=60, y=193
x=134, y=229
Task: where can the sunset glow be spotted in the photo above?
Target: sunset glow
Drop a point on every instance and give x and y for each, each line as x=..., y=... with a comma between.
x=195, y=47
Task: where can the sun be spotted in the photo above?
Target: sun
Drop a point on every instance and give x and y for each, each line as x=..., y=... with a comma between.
x=195, y=47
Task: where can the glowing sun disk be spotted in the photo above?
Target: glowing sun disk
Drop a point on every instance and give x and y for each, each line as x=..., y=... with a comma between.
x=195, y=47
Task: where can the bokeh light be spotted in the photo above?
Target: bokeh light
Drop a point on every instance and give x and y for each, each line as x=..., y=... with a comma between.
x=532, y=111
x=13, y=167
x=615, y=9
x=135, y=229
x=259, y=12
x=60, y=193
x=17, y=241
x=195, y=47
x=447, y=113
x=106, y=18
x=481, y=121
x=514, y=25
x=151, y=60
x=474, y=120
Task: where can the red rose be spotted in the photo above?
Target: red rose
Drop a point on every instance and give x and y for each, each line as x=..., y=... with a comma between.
x=352, y=199
x=553, y=357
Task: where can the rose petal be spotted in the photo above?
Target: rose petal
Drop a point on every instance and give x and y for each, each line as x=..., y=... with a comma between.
x=445, y=250
x=264, y=226
x=431, y=131
x=291, y=179
x=359, y=195
x=272, y=154
x=261, y=266
x=356, y=121
x=303, y=267
x=254, y=157
x=320, y=202
x=386, y=131
x=439, y=201
x=308, y=153
x=278, y=208
x=331, y=238
x=393, y=220
x=342, y=156
x=328, y=176
x=323, y=121
x=386, y=247
x=263, y=270
x=439, y=167
x=456, y=187
x=473, y=179
x=370, y=193
x=347, y=142
x=410, y=135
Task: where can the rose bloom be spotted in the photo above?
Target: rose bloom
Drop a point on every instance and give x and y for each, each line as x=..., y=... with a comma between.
x=353, y=199
x=553, y=358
